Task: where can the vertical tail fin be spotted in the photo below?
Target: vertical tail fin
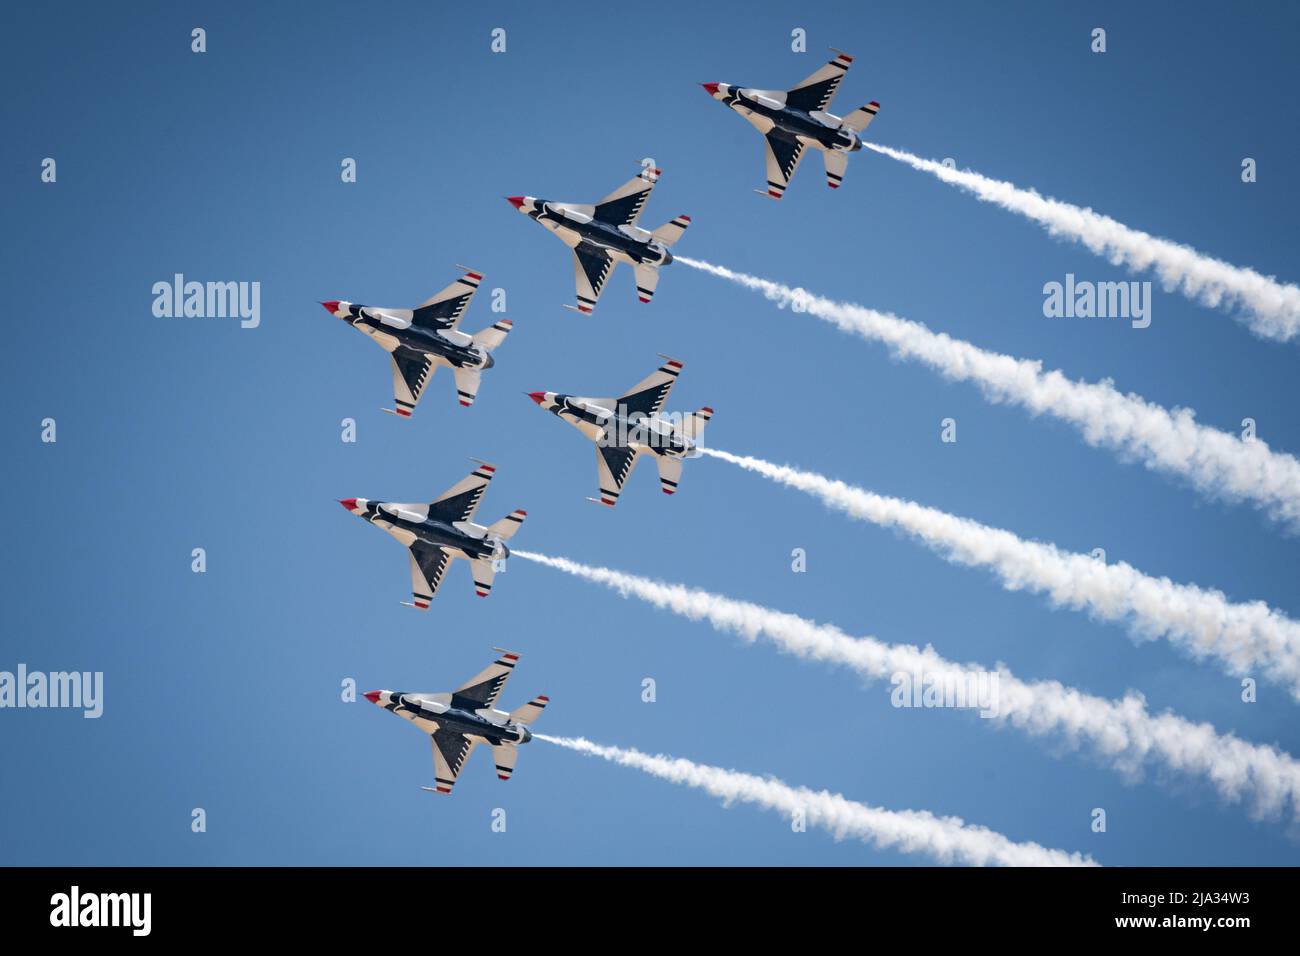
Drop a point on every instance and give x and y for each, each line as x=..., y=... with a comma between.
x=670, y=232
x=529, y=711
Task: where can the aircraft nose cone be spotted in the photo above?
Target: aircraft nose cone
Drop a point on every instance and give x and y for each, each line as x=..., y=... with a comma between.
x=372, y=696
x=516, y=201
x=537, y=397
x=331, y=307
x=349, y=503
x=711, y=87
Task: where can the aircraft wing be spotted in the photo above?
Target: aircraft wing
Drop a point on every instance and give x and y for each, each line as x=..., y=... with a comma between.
x=817, y=91
x=623, y=206
x=428, y=567
x=411, y=373
x=648, y=396
x=483, y=689
x=613, y=465
x=451, y=749
x=783, y=157
x=591, y=267
x=445, y=309
x=460, y=501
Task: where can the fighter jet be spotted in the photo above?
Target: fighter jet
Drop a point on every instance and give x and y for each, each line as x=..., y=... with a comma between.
x=605, y=234
x=791, y=120
x=624, y=427
x=459, y=721
x=443, y=530
x=423, y=338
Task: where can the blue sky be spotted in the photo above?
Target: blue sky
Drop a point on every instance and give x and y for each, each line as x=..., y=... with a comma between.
x=222, y=689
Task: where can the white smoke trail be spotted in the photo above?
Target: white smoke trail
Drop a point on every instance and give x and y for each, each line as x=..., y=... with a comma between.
x=1271, y=308
x=1122, y=732
x=946, y=839
x=1203, y=622
x=1215, y=462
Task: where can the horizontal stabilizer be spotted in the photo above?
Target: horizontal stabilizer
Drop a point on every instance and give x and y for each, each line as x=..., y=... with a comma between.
x=693, y=424
x=505, y=758
x=507, y=526
x=670, y=232
x=492, y=337
x=483, y=571
x=467, y=383
x=836, y=164
x=858, y=119
x=670, y=474
x=647, y=278
x=530, y=711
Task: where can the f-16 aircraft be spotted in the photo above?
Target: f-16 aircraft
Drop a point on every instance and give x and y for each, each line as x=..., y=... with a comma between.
x=605, y=234
x=458, y=722
x=423, y=338
x=442, y=530
x=791, y=120
x=624, y=427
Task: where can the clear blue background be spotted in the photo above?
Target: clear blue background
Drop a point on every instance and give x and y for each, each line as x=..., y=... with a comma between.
x=223, y=689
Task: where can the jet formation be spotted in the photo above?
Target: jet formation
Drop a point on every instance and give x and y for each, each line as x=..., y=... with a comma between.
x=461, y=720
x=419, y=340
x=795, y=119
x=627, y=426
x=604, y=234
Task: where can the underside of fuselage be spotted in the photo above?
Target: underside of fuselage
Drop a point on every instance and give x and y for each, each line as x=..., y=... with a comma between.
x=795, y=125
x=457, y=719
x=416, y=342
x=438, y=534
x=602, y=236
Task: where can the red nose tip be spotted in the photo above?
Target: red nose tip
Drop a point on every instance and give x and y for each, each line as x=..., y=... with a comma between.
x=331, y=307
x=349, y=503
x=516, y=201
x=538, y=397
x=711, y=87
x=372, y=696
